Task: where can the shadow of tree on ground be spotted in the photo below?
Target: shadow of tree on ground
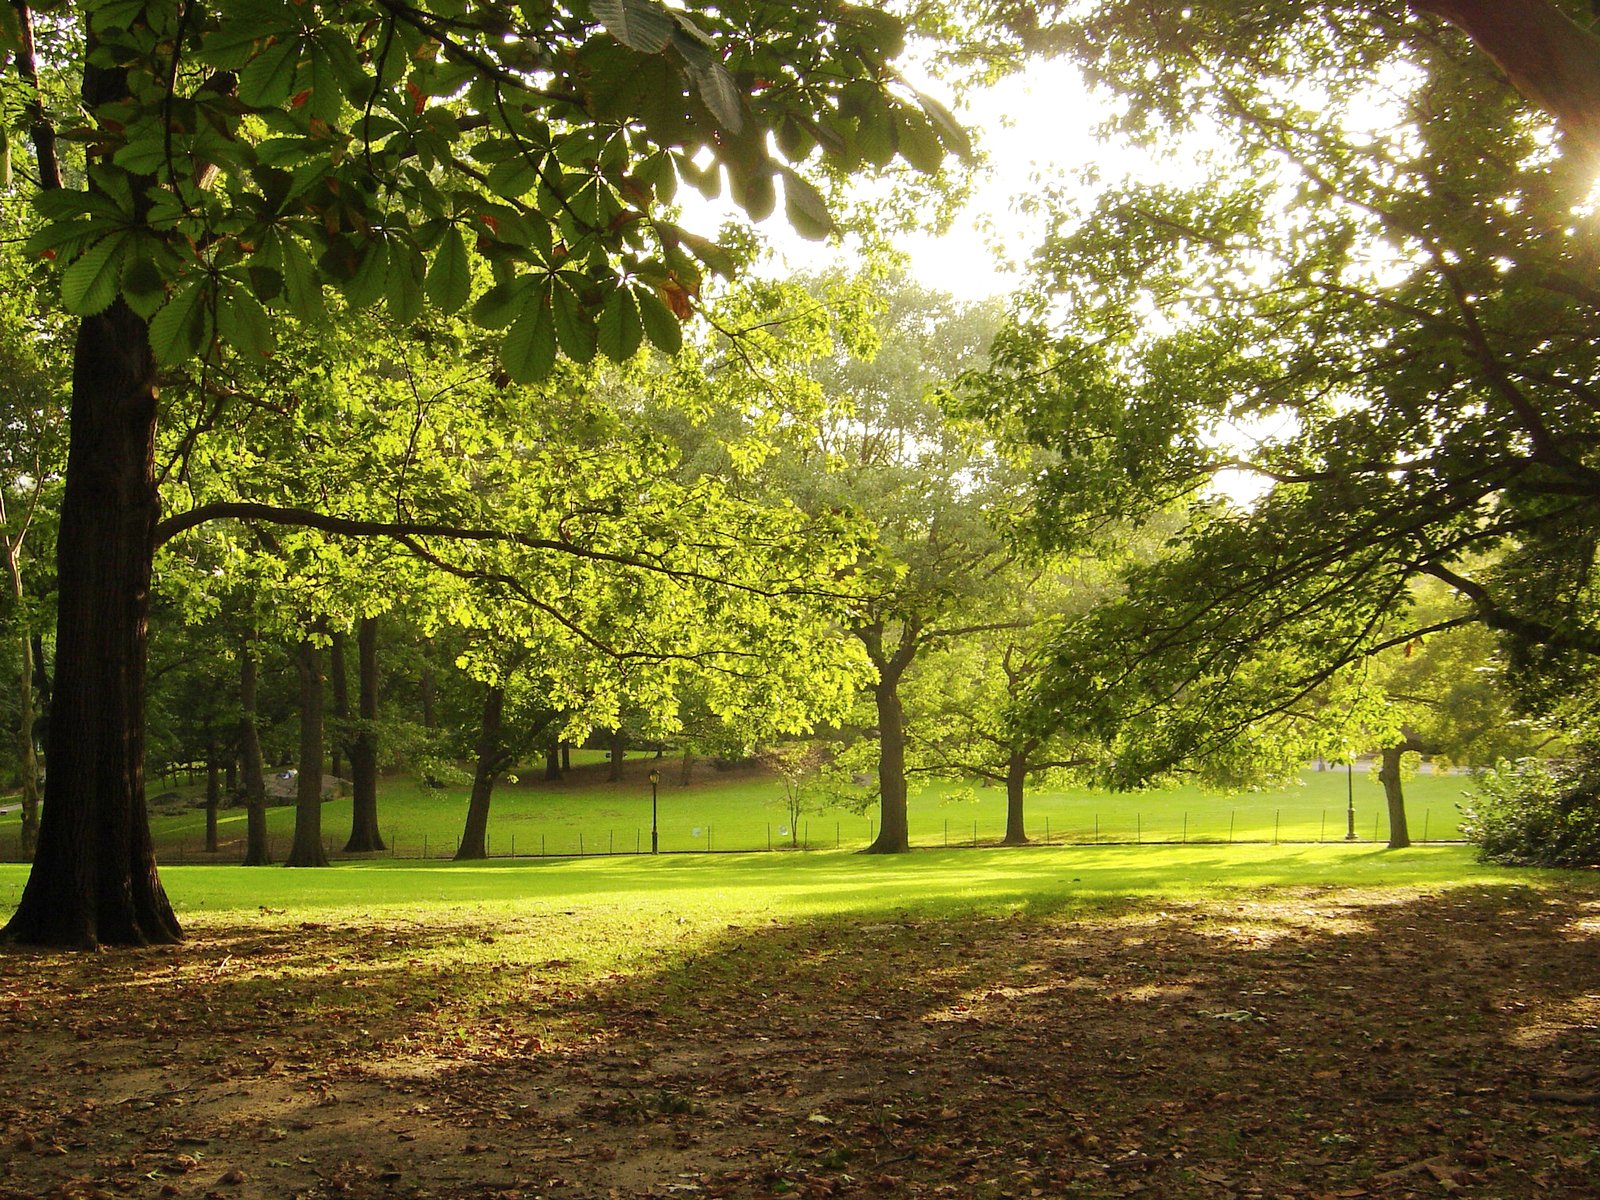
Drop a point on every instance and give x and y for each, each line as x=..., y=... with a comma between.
x=1314, y=1042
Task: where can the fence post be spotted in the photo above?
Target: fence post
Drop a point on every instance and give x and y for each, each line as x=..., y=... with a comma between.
x=1138, y=829
x=1097, y=829
x=974, y=835
x=424, y=845
x=513, y=845
x=1426, y=813
x=1230, y=826
x=1276, y=813
x=1047, y=831
x=838, y=840
x=1185, y=838
x=947, y=833
x=611, y=843
x=1324, y=832
x=1375, y=819
x=580, y=843
x=769, y=835
x=541, y=845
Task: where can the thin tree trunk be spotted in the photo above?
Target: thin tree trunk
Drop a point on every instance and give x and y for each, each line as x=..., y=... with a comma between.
x=1394, y=793
x=213, y=789
x=27, y=760
x=1016, y=787
x=94, y=877
x=619, y=744
x=491, y=758
x=686, y=772
x=341, y=703
x=307, y=850
x=364, y=834
x=566, y=756
x=430, y=691
x=257, y=849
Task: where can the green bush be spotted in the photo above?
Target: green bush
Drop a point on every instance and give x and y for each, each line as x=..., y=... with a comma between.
x=1538, y=813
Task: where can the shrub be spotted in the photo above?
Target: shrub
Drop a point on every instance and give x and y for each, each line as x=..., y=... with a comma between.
x=1537, y=813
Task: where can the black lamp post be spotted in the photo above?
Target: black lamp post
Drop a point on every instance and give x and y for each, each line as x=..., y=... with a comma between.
x=655, y=844
x=1350, y=798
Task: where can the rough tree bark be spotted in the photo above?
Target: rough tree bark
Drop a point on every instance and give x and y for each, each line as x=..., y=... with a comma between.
x=94, y=875
x=1016, y=791
x=491, y=761
x=307, y=850
x=566, y=756
x=364, y=834
x=552, y=762
x=894, y=834
x=257, y=849
x=1394, y=793
x=213, y=788
x=1548, y=57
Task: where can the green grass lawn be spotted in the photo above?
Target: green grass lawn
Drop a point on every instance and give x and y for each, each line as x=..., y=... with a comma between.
x=704, y=890
x=744, y=811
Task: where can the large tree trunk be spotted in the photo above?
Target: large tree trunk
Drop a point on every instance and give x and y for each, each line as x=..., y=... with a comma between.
x=1389, y=776
x=94, y=875
x=1016, y=788
x=257, y=849
x=686, y=769
x=491, y=758
x=566, y=756
x=341, y=702
x=307, y=850
x=1548, y=57
x=364, y=835
x=894, y=834
x=552, y=761
x=27, y=761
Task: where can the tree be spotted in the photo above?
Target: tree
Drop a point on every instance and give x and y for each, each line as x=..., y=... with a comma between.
x=968, y=710
x=797, y=766
x=1383, y=294
x=251, y=153
x=934, y=497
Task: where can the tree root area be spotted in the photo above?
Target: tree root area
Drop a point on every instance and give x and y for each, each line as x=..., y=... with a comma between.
x=1310, y=1043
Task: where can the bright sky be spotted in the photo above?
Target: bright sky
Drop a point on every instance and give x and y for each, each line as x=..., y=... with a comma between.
x=1040, y=120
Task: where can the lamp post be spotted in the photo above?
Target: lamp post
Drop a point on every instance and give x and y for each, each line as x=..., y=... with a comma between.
x=655, y=843
x=1350, y=798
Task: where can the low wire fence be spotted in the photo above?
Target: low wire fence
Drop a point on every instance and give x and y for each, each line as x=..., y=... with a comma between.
x=1244, y=827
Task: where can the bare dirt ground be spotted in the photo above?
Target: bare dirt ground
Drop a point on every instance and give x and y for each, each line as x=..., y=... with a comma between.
x=1308, y=1044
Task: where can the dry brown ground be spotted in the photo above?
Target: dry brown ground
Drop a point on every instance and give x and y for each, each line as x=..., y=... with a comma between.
x=1310, y=1044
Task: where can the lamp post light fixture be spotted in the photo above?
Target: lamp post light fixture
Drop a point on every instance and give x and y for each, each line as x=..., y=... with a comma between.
x=655, y=841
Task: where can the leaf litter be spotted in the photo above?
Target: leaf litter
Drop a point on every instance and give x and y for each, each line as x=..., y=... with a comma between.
x=1317, y=1044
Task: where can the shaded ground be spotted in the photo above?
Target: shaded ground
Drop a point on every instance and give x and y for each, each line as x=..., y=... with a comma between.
x=1311, y=1044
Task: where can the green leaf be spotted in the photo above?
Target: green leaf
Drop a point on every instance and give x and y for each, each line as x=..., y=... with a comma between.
x=90, y=284
x=302, y=284
x=659, y=323
x=619, y=329
x=804, y=206
x=269, y=79
x=638, y=24
x=529, y=349
x=574, y=326
x=949, y=129
x=450, y=280
x=178, y=330
x=244, y=324
x=403, y=283
x=720, y=94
